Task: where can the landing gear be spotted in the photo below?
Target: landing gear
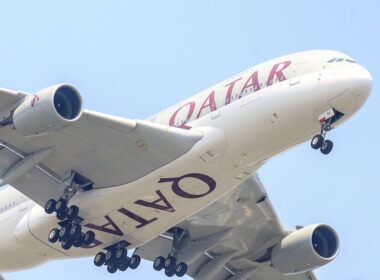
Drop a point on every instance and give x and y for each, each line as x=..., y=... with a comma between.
x=70, y=233
x=319, y=141
x=116, y=258
x=170, y=264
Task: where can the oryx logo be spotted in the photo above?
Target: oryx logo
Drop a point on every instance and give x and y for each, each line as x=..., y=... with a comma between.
x=34, y=100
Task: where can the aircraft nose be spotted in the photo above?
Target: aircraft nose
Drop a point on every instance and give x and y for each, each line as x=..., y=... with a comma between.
x=357, y=87
x=363, y=83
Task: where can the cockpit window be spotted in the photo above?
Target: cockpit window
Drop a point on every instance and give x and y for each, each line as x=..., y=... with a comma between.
x=340, y=60
x=350, y=60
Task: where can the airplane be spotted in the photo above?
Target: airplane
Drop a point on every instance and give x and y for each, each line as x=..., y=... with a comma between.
x=180, y=188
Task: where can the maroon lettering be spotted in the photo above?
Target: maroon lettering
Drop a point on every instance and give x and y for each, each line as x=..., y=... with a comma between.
x=94, y=244
x=142, y=222
x=211, y=103
x=230, y=89
x=252, y=81
x=105, y=228
x=275, y=71
x=189, y=114
x=155, y=204
x=180, y=192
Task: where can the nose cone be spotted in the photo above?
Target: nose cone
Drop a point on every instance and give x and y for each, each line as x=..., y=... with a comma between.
x=363, y=84
x=358, y=84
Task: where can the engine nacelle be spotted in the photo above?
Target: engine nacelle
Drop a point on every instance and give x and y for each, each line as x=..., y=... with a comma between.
x=49, y=110
x=306, y=249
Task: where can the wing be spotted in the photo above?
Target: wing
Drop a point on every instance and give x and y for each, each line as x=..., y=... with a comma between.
x=243, y=224
x=109, y=150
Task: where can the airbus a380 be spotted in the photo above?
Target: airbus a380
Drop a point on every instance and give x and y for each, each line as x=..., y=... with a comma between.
x=180, y=188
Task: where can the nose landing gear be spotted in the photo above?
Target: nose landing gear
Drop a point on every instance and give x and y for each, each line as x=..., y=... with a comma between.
x=319, y=141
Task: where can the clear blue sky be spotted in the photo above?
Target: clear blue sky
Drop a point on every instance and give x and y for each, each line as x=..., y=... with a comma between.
x=134, y=58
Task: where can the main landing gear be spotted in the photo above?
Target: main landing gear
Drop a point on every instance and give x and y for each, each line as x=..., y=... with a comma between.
x=70, y=234
x=116, y=258
x=170, y=263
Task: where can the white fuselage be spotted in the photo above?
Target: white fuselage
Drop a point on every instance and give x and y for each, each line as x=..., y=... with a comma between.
x=245, y=120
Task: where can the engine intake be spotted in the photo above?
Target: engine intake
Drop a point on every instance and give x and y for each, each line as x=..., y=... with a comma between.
x=306, y=249
x=51, y=109
x=67, y=102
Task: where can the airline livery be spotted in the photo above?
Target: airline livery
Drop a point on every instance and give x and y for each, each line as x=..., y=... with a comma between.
x=180, y=188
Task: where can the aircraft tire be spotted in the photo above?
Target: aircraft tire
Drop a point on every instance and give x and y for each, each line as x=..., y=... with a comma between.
x=112, y=267
x=135, y=261
x=317, y=141
x=99, y=259
x=327, y=147
x=88, y=238
x=181, y=269
x=123, y=266
x=53, y=235
x=170, y=262
x=159, y=263
x=50, y=206
x=169, y=272
x=72, y=212
x=60, y=206
x=66, y=244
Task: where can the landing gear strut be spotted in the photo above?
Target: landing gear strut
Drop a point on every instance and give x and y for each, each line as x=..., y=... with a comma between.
x=70, y=234
x=116, y=258
x=319, y=141
x=170, y=263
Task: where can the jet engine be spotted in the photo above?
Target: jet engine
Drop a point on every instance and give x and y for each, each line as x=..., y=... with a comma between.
x=306, y=249
x=49, y=110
